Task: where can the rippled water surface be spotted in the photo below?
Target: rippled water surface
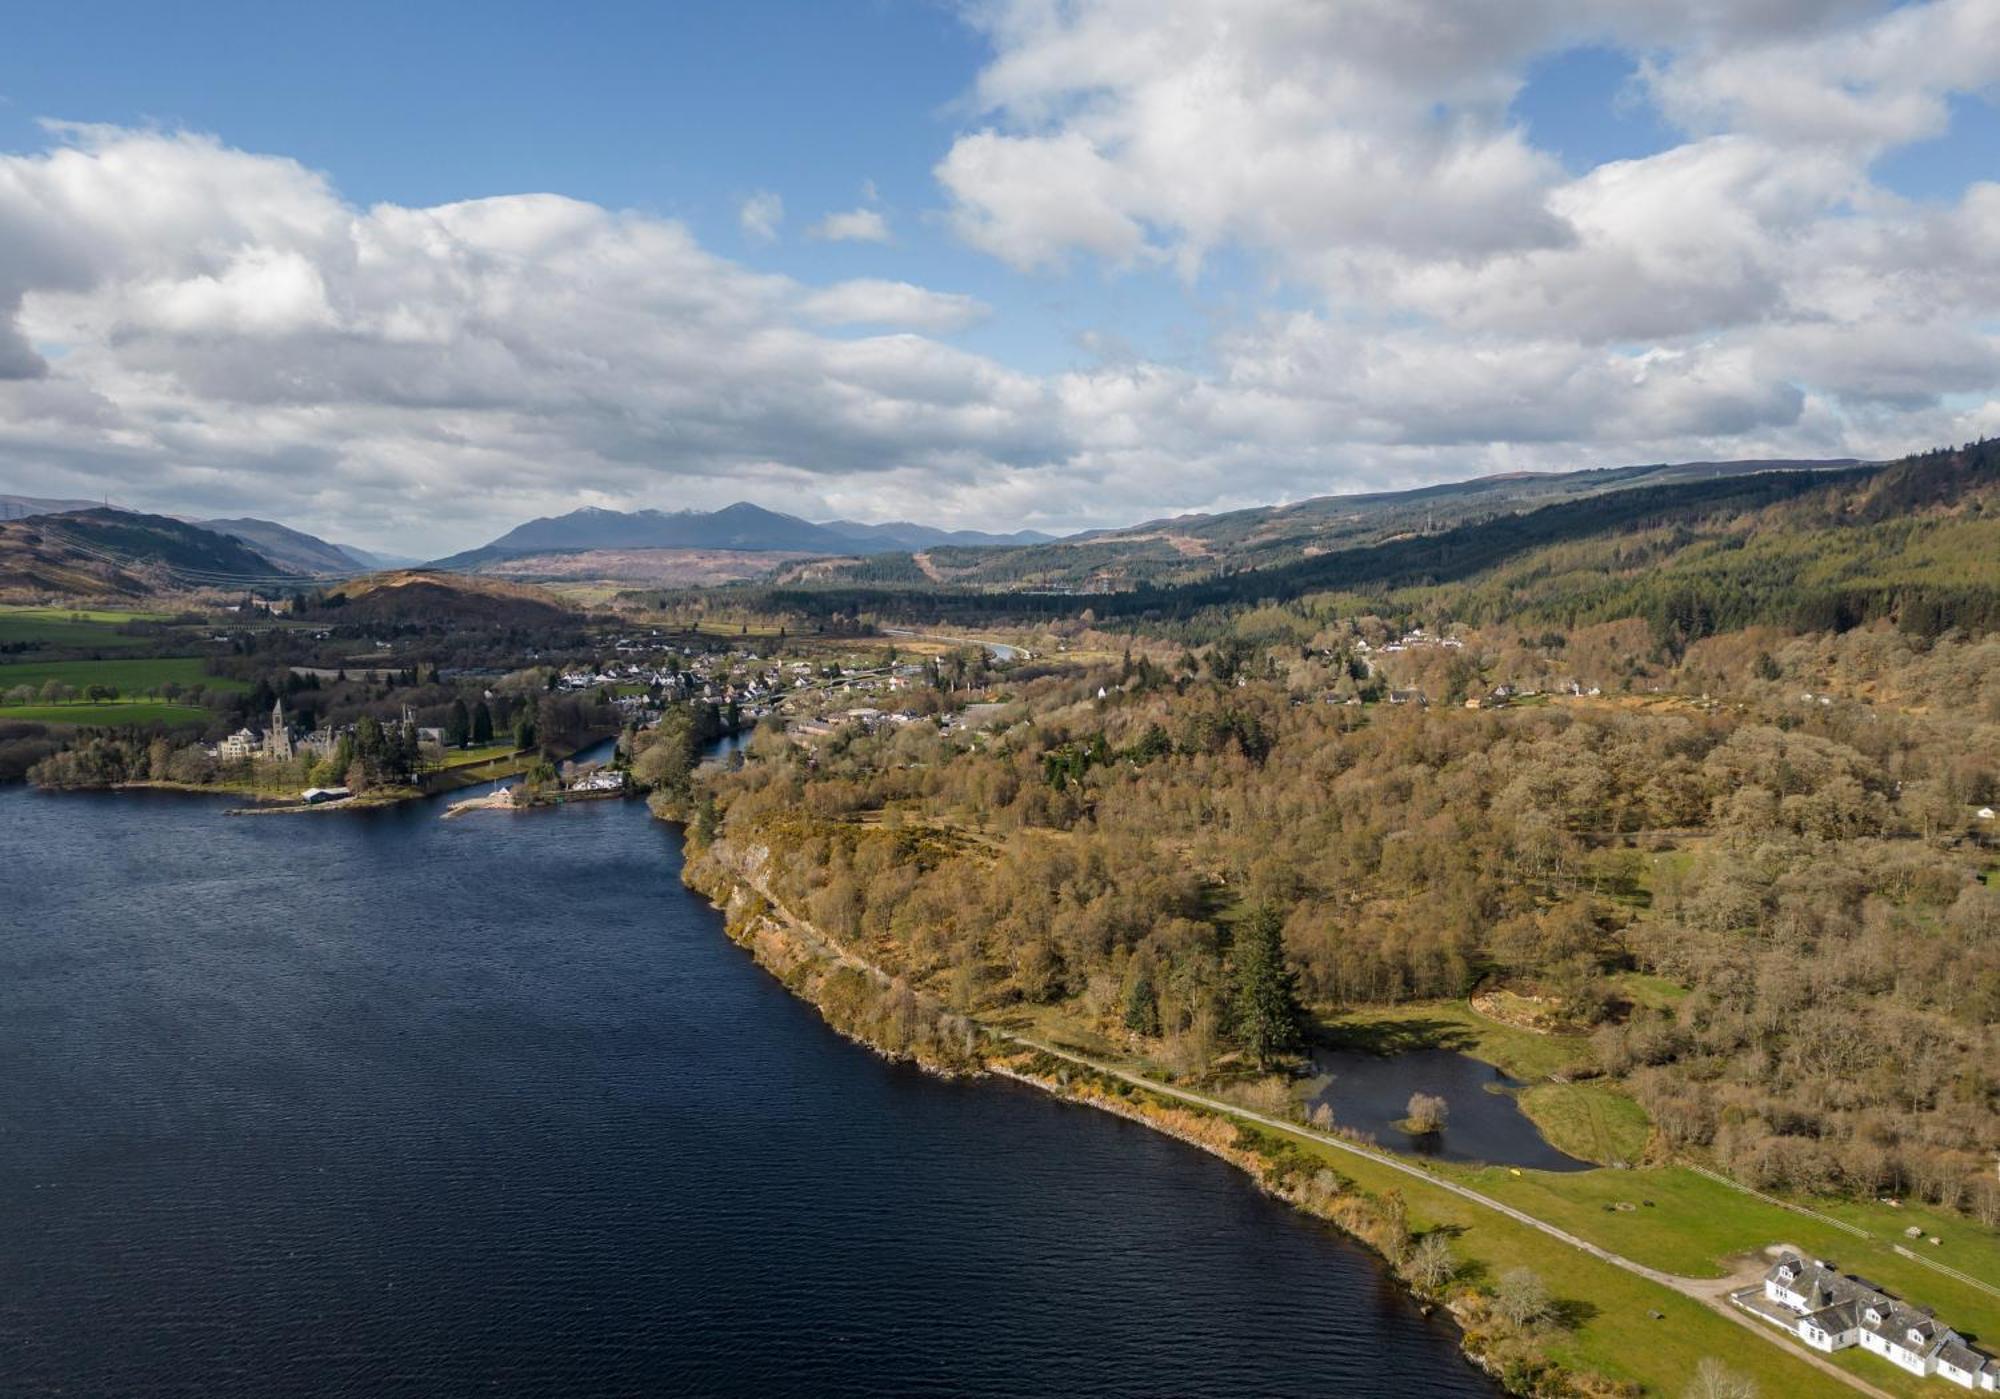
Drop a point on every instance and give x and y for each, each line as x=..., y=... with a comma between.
x=347, y=1104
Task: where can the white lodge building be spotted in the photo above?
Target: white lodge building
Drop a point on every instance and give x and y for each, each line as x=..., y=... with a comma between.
x=1831, y=1311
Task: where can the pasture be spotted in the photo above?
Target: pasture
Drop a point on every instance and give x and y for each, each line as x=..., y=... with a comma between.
x=109, y=714
x=58, y=628
x=138, y=676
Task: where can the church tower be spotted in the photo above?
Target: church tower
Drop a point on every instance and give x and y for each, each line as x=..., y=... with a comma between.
x=278, y=742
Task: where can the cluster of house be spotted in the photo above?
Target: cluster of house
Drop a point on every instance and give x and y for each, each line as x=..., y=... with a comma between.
x=1830, y=1311
x=1415, y=639
x=754, y=685
x=866, y=716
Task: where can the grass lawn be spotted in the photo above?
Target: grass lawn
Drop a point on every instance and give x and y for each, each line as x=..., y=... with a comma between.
x=1694, y=1226
x=458, y=758
x=1653, y=992
x=143, y=676
x=1454, y=1025
x=1588, y=1121
x=112, y=713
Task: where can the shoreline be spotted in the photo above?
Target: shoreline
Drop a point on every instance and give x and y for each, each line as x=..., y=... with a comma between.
x=807, y=962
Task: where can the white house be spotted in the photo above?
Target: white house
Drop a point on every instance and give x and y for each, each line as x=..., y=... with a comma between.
x=1831, y=1311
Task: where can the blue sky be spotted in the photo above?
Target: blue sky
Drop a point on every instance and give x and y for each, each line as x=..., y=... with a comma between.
x=1367, y=259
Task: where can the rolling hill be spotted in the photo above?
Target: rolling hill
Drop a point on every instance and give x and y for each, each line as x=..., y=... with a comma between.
x=738, y=528
x=121, y=552
x=1189, y=549
x=415, y=597
x=290, y=549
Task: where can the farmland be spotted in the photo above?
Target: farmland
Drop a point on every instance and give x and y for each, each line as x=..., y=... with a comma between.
x=108, y=714
x=135, y=676
x=54, y=628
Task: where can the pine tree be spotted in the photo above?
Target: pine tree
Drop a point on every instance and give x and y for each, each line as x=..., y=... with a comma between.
x=482, y=723
x=1142, y=999
x=1267, y=1006
x=457, y=725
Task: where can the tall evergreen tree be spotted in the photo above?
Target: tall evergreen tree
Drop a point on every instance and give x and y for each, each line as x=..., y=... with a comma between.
x=1142, y=999
x=482, y=723
x=457, y=725
x=1267, y=1004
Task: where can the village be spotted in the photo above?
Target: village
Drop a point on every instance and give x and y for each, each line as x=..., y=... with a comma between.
x=468, y=720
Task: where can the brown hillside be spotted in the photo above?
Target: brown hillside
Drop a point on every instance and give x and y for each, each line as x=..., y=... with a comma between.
x=417, y=597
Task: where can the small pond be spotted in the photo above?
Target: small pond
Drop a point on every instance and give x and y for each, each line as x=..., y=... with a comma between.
x=1371, y=1093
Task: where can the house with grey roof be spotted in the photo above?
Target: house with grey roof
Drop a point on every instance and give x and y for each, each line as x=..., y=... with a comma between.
x=1830, y=1311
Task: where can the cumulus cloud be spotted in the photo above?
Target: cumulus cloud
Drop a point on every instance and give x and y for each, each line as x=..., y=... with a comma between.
x=872, y=301
x=233, y=335
x=759, y=216
x=853, y=226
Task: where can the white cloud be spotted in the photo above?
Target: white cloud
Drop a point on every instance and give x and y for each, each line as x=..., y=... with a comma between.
x=871, y=301
x=853, y=226
x=759, y=216
x=205, y=329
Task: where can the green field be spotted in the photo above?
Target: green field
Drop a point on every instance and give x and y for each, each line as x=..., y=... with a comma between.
x=1588, y=1121
x=137, y=677
x=48, y=627
x=485, y=753
x=1686, y=1223
x=104, y=715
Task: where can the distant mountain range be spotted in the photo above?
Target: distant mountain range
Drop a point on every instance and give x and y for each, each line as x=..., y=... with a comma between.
x=743, y=542
x=741, y=527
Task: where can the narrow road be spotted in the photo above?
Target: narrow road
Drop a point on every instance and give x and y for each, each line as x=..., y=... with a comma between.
x=999, y=650
x=1709, y=1292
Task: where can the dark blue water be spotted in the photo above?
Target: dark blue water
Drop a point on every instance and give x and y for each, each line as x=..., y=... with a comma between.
x=345, y=1104
x=1371, y=1093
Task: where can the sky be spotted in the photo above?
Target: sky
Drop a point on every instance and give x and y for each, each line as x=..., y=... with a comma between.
x=406, y=275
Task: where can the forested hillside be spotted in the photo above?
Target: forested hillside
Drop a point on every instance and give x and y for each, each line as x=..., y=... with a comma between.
x=1190, y=549
x=1708, y=783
